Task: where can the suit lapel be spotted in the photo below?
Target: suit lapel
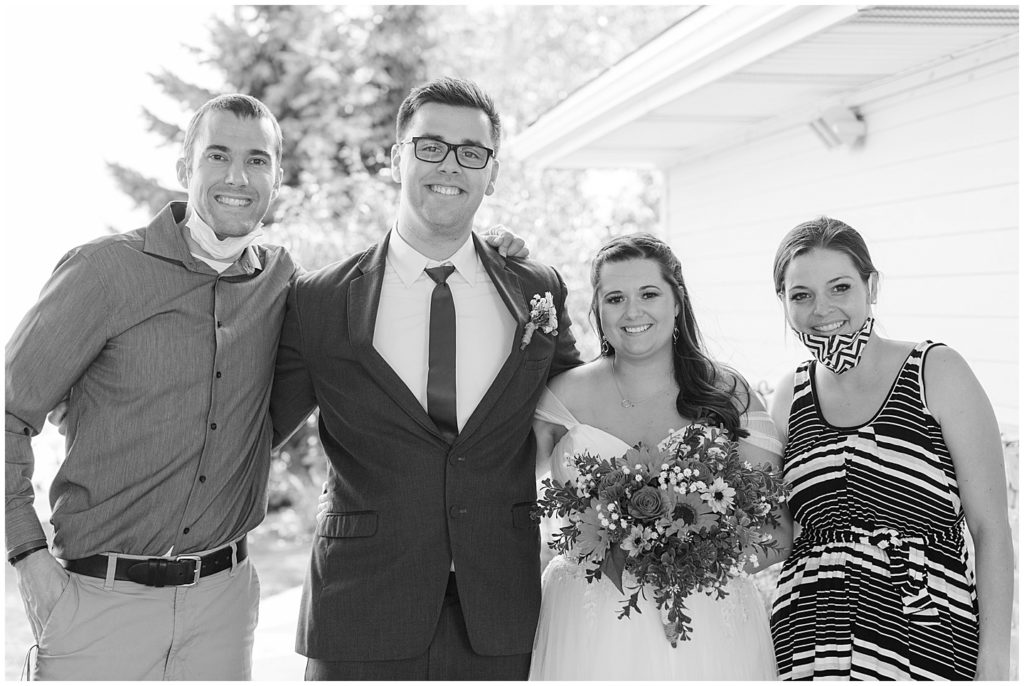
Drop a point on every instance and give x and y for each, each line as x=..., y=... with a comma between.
x=507, y=283
x=511, y=291
x=363, y=300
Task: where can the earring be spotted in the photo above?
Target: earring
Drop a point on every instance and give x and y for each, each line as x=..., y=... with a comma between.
x=675, y=334
x=606, y=347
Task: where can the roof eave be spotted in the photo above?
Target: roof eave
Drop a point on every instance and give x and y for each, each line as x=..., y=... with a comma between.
x=708, y=45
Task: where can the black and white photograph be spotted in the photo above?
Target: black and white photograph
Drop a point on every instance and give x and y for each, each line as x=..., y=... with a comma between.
x=492, y=342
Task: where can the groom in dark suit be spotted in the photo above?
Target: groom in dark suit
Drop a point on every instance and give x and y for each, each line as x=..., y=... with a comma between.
x=426, y=355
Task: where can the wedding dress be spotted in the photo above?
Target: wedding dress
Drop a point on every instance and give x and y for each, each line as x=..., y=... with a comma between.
x=579, y=635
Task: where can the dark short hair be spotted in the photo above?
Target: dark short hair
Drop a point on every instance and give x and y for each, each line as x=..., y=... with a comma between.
x=707, y=389
x=448, y=91
x=822, y=232
x=243, y=107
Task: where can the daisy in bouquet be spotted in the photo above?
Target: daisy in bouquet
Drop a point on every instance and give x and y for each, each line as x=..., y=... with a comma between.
x=681, y=518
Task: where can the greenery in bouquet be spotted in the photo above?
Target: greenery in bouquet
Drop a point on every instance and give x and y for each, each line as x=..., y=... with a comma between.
x=682, y=518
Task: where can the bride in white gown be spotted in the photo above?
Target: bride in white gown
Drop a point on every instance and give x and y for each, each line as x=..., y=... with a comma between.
x=631, y=394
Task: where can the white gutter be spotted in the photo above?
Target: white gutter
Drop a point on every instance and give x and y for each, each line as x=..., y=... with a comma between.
x=709, y=44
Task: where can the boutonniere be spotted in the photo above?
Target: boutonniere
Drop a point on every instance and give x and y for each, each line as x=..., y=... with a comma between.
x=542, y=316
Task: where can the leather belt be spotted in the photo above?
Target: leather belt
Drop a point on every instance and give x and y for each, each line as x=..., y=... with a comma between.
x=180, y=570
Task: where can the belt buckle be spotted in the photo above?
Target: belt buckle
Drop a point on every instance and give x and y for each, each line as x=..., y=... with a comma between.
x=199, y=566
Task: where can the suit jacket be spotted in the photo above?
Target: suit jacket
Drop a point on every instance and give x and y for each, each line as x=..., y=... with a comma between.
x=404, y=502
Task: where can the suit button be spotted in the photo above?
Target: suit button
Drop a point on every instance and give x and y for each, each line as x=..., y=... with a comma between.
x=456, y=459
x=457, y=511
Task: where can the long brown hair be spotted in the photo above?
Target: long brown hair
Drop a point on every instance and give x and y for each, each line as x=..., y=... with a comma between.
x=707, y=389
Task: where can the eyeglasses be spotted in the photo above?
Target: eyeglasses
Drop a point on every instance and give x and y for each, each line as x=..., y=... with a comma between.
x=467, y=155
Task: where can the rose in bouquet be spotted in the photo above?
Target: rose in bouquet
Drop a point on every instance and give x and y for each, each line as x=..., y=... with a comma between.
x=682, y=518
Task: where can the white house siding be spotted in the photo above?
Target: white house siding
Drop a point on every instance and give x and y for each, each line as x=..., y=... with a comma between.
x=934, y=191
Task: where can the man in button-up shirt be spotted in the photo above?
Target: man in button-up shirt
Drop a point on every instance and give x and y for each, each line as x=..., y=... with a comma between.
x=163, y=341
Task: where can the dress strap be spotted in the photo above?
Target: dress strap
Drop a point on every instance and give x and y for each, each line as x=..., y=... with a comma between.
x=802, y=375
x=550, y=409
x=920, y=351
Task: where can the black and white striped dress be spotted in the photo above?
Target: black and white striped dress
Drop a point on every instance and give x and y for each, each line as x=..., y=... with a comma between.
x=878, y=585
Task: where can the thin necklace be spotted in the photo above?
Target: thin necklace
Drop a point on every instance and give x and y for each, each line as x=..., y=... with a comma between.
x=630, y=404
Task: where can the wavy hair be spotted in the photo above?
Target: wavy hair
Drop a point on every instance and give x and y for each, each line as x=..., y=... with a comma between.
x=707, y=389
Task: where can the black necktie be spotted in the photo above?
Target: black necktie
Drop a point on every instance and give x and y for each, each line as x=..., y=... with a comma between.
x=441, y=356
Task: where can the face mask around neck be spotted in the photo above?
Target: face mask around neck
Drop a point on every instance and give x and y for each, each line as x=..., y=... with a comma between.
x=227, y=249
x=841, y=352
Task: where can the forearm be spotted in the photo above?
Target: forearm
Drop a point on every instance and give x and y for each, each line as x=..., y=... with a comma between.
x=23, y=530
x=994, y=579
x=762, y=446
x=783, y=536
x=544, y=447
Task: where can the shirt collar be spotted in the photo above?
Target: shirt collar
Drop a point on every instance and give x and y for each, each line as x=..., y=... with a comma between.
x=164, y=238
x=409, y=263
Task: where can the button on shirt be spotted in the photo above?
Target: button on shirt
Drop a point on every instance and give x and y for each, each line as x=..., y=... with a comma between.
x=484, y=326
x=169, y=367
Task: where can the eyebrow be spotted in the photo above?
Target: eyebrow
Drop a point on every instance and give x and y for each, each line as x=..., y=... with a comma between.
x=224, y=148
x=838, y=278
x=619, y=290
x=439, y=137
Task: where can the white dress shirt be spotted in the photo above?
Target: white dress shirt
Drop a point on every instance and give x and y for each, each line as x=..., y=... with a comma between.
x=484, y=327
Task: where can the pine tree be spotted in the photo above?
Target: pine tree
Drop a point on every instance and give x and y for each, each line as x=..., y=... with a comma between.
x=334, y=77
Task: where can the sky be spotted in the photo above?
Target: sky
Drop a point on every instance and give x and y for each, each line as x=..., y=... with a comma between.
x=74, y=82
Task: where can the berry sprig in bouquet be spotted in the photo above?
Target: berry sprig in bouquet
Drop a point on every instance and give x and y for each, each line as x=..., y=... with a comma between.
x=682, y=518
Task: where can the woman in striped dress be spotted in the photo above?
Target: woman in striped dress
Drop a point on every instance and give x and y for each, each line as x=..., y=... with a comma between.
x=891, y=448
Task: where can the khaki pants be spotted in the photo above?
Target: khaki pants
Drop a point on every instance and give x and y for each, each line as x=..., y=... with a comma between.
x=128, y=631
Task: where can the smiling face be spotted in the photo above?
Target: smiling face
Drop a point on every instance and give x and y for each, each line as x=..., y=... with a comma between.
x=234, y=175
x=824, y=294
x=637, y=307
x=440, y=199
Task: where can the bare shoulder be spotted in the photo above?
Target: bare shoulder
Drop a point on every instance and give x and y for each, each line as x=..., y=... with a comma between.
x=951, y=387
x=574, y=387
x=945, y=368
x=785, y=384
x=946, y=358
x=782, y=400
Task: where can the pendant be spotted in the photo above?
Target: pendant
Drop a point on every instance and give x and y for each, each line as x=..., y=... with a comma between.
x=628, y=403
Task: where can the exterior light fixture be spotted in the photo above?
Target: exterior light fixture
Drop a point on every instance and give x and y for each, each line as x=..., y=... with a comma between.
x=840, y=127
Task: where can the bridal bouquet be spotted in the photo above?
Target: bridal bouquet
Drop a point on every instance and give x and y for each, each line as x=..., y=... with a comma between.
x=678, y=518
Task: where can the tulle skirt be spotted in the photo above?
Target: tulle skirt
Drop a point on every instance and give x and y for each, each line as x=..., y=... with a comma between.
x=579, y=635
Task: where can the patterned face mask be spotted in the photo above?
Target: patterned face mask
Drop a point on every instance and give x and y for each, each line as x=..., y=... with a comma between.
x=841, y=352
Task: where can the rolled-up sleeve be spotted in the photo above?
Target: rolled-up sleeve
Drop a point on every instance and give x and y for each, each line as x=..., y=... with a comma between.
x=49, y=351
